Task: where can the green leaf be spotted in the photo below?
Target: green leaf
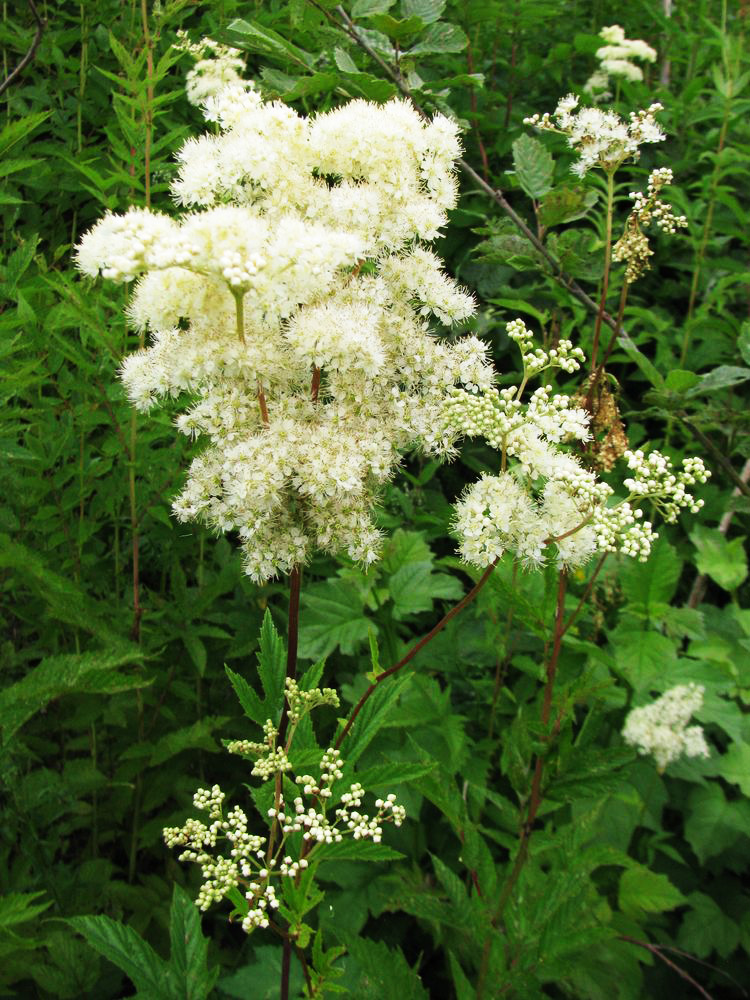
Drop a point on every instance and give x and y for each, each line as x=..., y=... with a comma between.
x=643, y=656
x=734, y=766
x=65, y=601
x=397, y=30
x=679, y=380
x=366, y=8
x=625, y=342
x=743, y=342
x=20, y=907
x=128, y=951
x=253, y=37
x=439, y=38
x=20, y=129
x=94, y=672
x=334, y=616
x=198, y=736
x=189, y=949
x=643, y=890
x=427, y=10
x=413, y=585
x=720, y=378
x=714, y=824
x=706, y=928
x=382, y=972
x=534, y=166
x=349, y=849
x=654, y=582
x=566, y=204
x=271, y=670
x=724, y=561
x=373, y=716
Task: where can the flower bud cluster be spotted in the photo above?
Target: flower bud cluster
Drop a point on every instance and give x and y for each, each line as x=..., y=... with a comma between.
x=249, y=863
x=601, y=138
x=535, y=360
x=293, y=303
x=656, y=479
x=633, y=247
x=661, y=728
x=302, y=702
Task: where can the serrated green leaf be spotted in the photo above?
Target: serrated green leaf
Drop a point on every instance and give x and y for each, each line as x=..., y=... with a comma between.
x=398, y=30
x=20, y=907
x=679, y=380
x=333, y=616
x=383, y=972
x=534, y=166
x=189, y=949
x=349, y=849
x=122, y=946
x=706, y=927
x=566, y=204
x=714, y=823
x=654, y=582
x=94, y=672
x=439, y=38
x=743, y=342
x=734, y=766
x=365, y=8
x=198, y=736
x=427, y=10
x=724, y=561
x=272, y=672
x=643, y=890
x=720, y=378
x=253, y=37
x=373, y=716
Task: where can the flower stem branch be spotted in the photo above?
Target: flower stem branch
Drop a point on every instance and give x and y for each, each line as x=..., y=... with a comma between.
x=41, y=24
x=455, y=610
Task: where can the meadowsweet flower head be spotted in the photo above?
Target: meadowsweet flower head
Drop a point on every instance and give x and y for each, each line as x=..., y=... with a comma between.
x=661, y=728
x=616, y=60
x=292, y=299
x=601, y=138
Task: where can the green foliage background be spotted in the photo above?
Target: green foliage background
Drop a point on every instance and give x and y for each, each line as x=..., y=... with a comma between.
x=117, y=623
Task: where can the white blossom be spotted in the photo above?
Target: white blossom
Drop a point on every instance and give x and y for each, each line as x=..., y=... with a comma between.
x=661, y=728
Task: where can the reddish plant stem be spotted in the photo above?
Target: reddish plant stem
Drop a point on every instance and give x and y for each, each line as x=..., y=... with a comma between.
x=455, y=610
x=315, y=385
x=286, y=962
x=599, y=370
x=656, y=950
x=585, y=595
x=535, y=797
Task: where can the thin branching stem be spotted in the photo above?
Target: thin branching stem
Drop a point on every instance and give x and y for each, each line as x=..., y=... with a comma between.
x=455, y=610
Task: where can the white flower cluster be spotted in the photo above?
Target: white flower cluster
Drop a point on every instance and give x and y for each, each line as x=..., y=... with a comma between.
x=616, y=60
x=546, y=497
x=633, y=247
x=251, y=864
x=601, y=138
x=661, y=728
x=656, y=479
x=293, y=305
x=217, y=67
x=535, y=360
x=301, y=702
x=220, y=874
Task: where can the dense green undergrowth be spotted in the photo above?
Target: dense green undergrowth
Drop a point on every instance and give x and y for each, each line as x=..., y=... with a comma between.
x=118, y=622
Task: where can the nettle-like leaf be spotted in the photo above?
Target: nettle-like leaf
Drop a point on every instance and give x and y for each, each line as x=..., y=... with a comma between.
x=724, y=561
x=413, y=585
x=185, y=977
x=715, y=823
x=333, y=616
x=381, y=971
x=271, y=670
x=95, y=672
x=439, y=38
x=643, y=890
x=706, y=927
x=534, y=166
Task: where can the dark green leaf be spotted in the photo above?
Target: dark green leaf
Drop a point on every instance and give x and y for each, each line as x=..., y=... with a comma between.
x=533, y=165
